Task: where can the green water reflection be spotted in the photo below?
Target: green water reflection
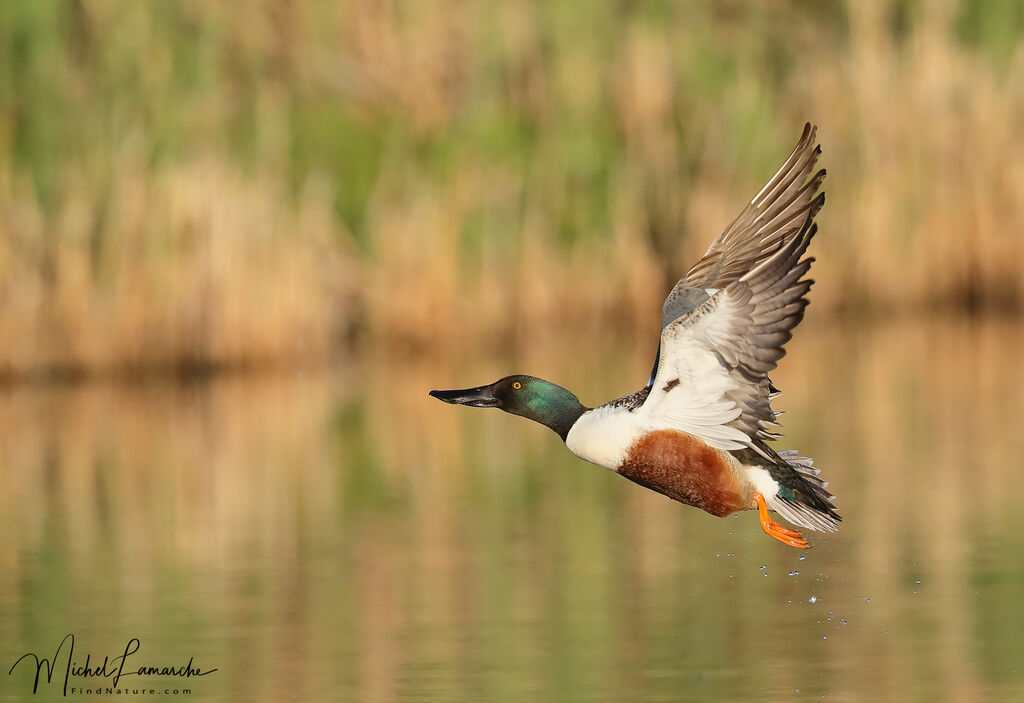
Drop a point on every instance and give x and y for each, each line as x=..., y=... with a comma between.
x=342, y=536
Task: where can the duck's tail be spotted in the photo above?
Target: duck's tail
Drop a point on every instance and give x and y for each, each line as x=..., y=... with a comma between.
x=803, y=498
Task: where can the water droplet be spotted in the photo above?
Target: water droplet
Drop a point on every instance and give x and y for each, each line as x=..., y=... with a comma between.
x=763, y=567
x=824, y=637
x=802, y=558
x=919, y=582
x=812, y=599
x=794, y=573
x=869, y=600
x=731, y=575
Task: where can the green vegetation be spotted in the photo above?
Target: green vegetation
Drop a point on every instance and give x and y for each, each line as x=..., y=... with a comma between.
x=192, y=185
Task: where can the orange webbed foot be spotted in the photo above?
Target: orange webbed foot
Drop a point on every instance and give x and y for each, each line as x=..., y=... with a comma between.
x=777, y=531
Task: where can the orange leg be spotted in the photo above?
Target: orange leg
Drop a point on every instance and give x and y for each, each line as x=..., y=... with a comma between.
x=774, y=529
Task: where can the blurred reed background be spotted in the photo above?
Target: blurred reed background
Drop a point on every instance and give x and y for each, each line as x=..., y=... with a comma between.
x=191, y=185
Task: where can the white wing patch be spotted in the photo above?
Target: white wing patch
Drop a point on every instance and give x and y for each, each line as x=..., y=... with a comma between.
x=690, y=390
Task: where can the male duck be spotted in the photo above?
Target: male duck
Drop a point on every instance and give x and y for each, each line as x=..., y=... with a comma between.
x=698, y=431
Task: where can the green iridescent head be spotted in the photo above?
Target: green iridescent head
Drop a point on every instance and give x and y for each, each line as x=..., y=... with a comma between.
x=528, y=396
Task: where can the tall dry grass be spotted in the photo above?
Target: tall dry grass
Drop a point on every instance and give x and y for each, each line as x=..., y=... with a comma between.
x=188, y=186
x=189, y=268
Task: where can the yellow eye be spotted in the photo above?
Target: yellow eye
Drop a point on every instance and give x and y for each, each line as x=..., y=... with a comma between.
x=517, y=385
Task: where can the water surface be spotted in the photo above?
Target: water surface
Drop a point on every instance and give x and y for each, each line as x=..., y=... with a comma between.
x=341, y=536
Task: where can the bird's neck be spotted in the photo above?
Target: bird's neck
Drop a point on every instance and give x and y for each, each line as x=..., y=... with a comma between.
x=556, y=408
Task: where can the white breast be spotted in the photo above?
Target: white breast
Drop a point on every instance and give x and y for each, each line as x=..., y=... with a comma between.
x=603, y=435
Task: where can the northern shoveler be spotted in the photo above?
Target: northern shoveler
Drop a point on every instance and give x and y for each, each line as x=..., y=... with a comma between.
x=698, y=432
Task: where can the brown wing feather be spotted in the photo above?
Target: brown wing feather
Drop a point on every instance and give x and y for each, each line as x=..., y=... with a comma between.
x=775, y=215
x=765, y=306
x=723, y=350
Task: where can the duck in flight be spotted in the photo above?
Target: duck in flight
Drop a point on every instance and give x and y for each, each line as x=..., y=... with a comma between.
x=698, y=432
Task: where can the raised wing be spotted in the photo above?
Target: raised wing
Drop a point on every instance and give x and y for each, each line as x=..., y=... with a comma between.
x=712, y=378
x=774, y=216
